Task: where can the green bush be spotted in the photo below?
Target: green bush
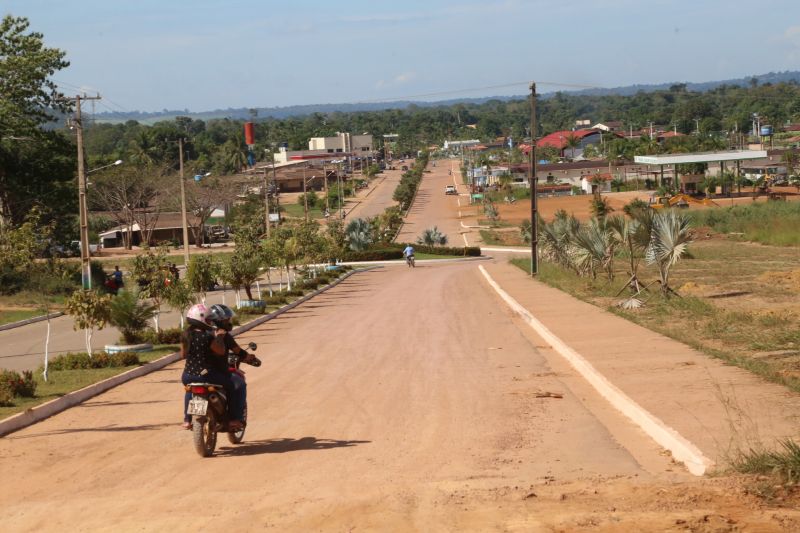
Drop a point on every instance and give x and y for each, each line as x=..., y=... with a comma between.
x=248, y=311
x=81, y=360
x=164, y=336
x=295, y=292
x=277, y=299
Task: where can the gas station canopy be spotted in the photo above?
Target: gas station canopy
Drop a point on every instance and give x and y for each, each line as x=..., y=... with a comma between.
x=700, y=157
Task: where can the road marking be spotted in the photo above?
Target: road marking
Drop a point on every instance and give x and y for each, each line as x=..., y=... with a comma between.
x=665, y=436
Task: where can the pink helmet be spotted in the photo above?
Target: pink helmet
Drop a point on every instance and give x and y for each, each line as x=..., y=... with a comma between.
x=198, y=313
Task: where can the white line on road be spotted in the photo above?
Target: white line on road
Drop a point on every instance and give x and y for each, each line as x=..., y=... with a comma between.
x=665, y=436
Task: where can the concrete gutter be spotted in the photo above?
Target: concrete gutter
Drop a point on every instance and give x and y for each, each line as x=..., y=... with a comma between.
x=33, y=320
x=46, y=410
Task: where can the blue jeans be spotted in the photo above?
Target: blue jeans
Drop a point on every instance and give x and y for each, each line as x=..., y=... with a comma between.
x=235, y=395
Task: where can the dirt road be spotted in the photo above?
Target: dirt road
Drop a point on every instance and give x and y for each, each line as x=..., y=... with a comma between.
x=386, y=402
x=432, y=207
x=400, y=400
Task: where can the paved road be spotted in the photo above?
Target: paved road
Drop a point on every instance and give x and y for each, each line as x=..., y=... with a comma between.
x=395, y=400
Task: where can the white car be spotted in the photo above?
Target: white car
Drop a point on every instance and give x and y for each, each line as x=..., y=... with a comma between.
x=450, y=189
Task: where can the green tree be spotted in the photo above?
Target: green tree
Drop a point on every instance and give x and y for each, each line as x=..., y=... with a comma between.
x=202, y=274
x=180, y=297
x=151, y=271
x=36, y=163
x=90, y=311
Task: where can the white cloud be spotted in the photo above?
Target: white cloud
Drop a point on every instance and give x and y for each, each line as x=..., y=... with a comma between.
x=403, y=77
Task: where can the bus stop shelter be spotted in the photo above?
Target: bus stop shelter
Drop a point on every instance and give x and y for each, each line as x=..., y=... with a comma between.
x=726, y=156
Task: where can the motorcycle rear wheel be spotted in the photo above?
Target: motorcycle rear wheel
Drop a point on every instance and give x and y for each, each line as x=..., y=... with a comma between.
x=204, y=429
x=236, y=437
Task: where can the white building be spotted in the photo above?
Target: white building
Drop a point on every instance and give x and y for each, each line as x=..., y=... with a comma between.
x=341, y=146
x=457, y=146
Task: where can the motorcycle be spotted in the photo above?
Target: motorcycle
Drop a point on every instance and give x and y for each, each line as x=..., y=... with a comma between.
x=208, y=408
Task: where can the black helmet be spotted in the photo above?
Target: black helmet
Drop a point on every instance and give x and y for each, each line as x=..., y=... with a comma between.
x=221, y=315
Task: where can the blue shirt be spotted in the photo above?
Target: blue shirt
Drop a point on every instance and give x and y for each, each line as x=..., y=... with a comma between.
x=408, y=251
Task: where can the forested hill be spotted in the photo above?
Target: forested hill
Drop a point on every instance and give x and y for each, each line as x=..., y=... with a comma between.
x=303, y=110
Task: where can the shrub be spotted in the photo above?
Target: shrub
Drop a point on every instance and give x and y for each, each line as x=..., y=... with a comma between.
x=245, y=311
x=277, y=299
x=164, y=336
x=130, y=315
x=81, y=360
x=13, y=384
x=6, y=395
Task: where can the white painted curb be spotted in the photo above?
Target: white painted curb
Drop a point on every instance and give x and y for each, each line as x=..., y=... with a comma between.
x=665, y=436
x=510, y=250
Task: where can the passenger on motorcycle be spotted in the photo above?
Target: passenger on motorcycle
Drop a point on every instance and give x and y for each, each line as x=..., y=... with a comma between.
x=221, y=316
x=203, y=347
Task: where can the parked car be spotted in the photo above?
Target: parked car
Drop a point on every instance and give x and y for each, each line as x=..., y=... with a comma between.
x=450, y=189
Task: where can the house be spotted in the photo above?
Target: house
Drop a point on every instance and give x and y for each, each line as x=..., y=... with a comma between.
x=560, y=141
x=611, y=125
x=167, y=228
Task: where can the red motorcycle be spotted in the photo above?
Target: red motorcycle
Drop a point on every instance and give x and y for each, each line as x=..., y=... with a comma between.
x=208, y=408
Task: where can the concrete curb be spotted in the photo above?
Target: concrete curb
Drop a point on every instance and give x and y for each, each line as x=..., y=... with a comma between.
x=33, y=320
x=512, y=250
x=46, y=410
x=665, y=436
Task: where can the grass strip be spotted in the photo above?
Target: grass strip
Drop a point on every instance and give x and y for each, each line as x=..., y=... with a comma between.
x=61, y=382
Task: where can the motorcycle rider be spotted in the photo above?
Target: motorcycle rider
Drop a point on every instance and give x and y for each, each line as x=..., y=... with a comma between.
x=221, y=316
x=203, y=347
x=408, y=253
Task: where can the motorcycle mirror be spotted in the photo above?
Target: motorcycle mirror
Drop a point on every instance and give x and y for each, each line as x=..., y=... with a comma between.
x=252, y=346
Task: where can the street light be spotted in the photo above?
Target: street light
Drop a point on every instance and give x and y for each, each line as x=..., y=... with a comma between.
x=114, y=164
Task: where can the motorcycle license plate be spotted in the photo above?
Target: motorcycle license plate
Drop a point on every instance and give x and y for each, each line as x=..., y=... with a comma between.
x=198, y=406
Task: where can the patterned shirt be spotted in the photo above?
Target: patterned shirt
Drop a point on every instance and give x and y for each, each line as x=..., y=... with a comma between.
x=198, y=350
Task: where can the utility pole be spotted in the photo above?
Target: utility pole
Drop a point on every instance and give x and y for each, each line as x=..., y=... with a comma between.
x=532, y=180
x=266, y=203
x=184, y=222
x=83, y=211
x=305, y=194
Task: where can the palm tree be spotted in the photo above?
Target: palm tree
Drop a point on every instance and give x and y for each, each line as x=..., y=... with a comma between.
x=633, y=236
x=359, y=234
x=432, y=237
x=669, y=241
x=572, y=141
x=594, y=249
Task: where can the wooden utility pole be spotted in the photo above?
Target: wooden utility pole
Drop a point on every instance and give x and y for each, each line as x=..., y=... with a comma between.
x=532, y=182
x=184, y=221
x=83, y=211
x=266, y=202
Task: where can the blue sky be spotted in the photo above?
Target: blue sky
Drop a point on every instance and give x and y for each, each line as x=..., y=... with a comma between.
x=201, y=54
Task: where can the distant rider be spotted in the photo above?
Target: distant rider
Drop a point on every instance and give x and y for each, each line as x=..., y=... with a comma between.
x=203, y=347
x=408, y=253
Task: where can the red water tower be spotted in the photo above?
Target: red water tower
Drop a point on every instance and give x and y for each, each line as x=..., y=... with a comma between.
x=249, y=133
